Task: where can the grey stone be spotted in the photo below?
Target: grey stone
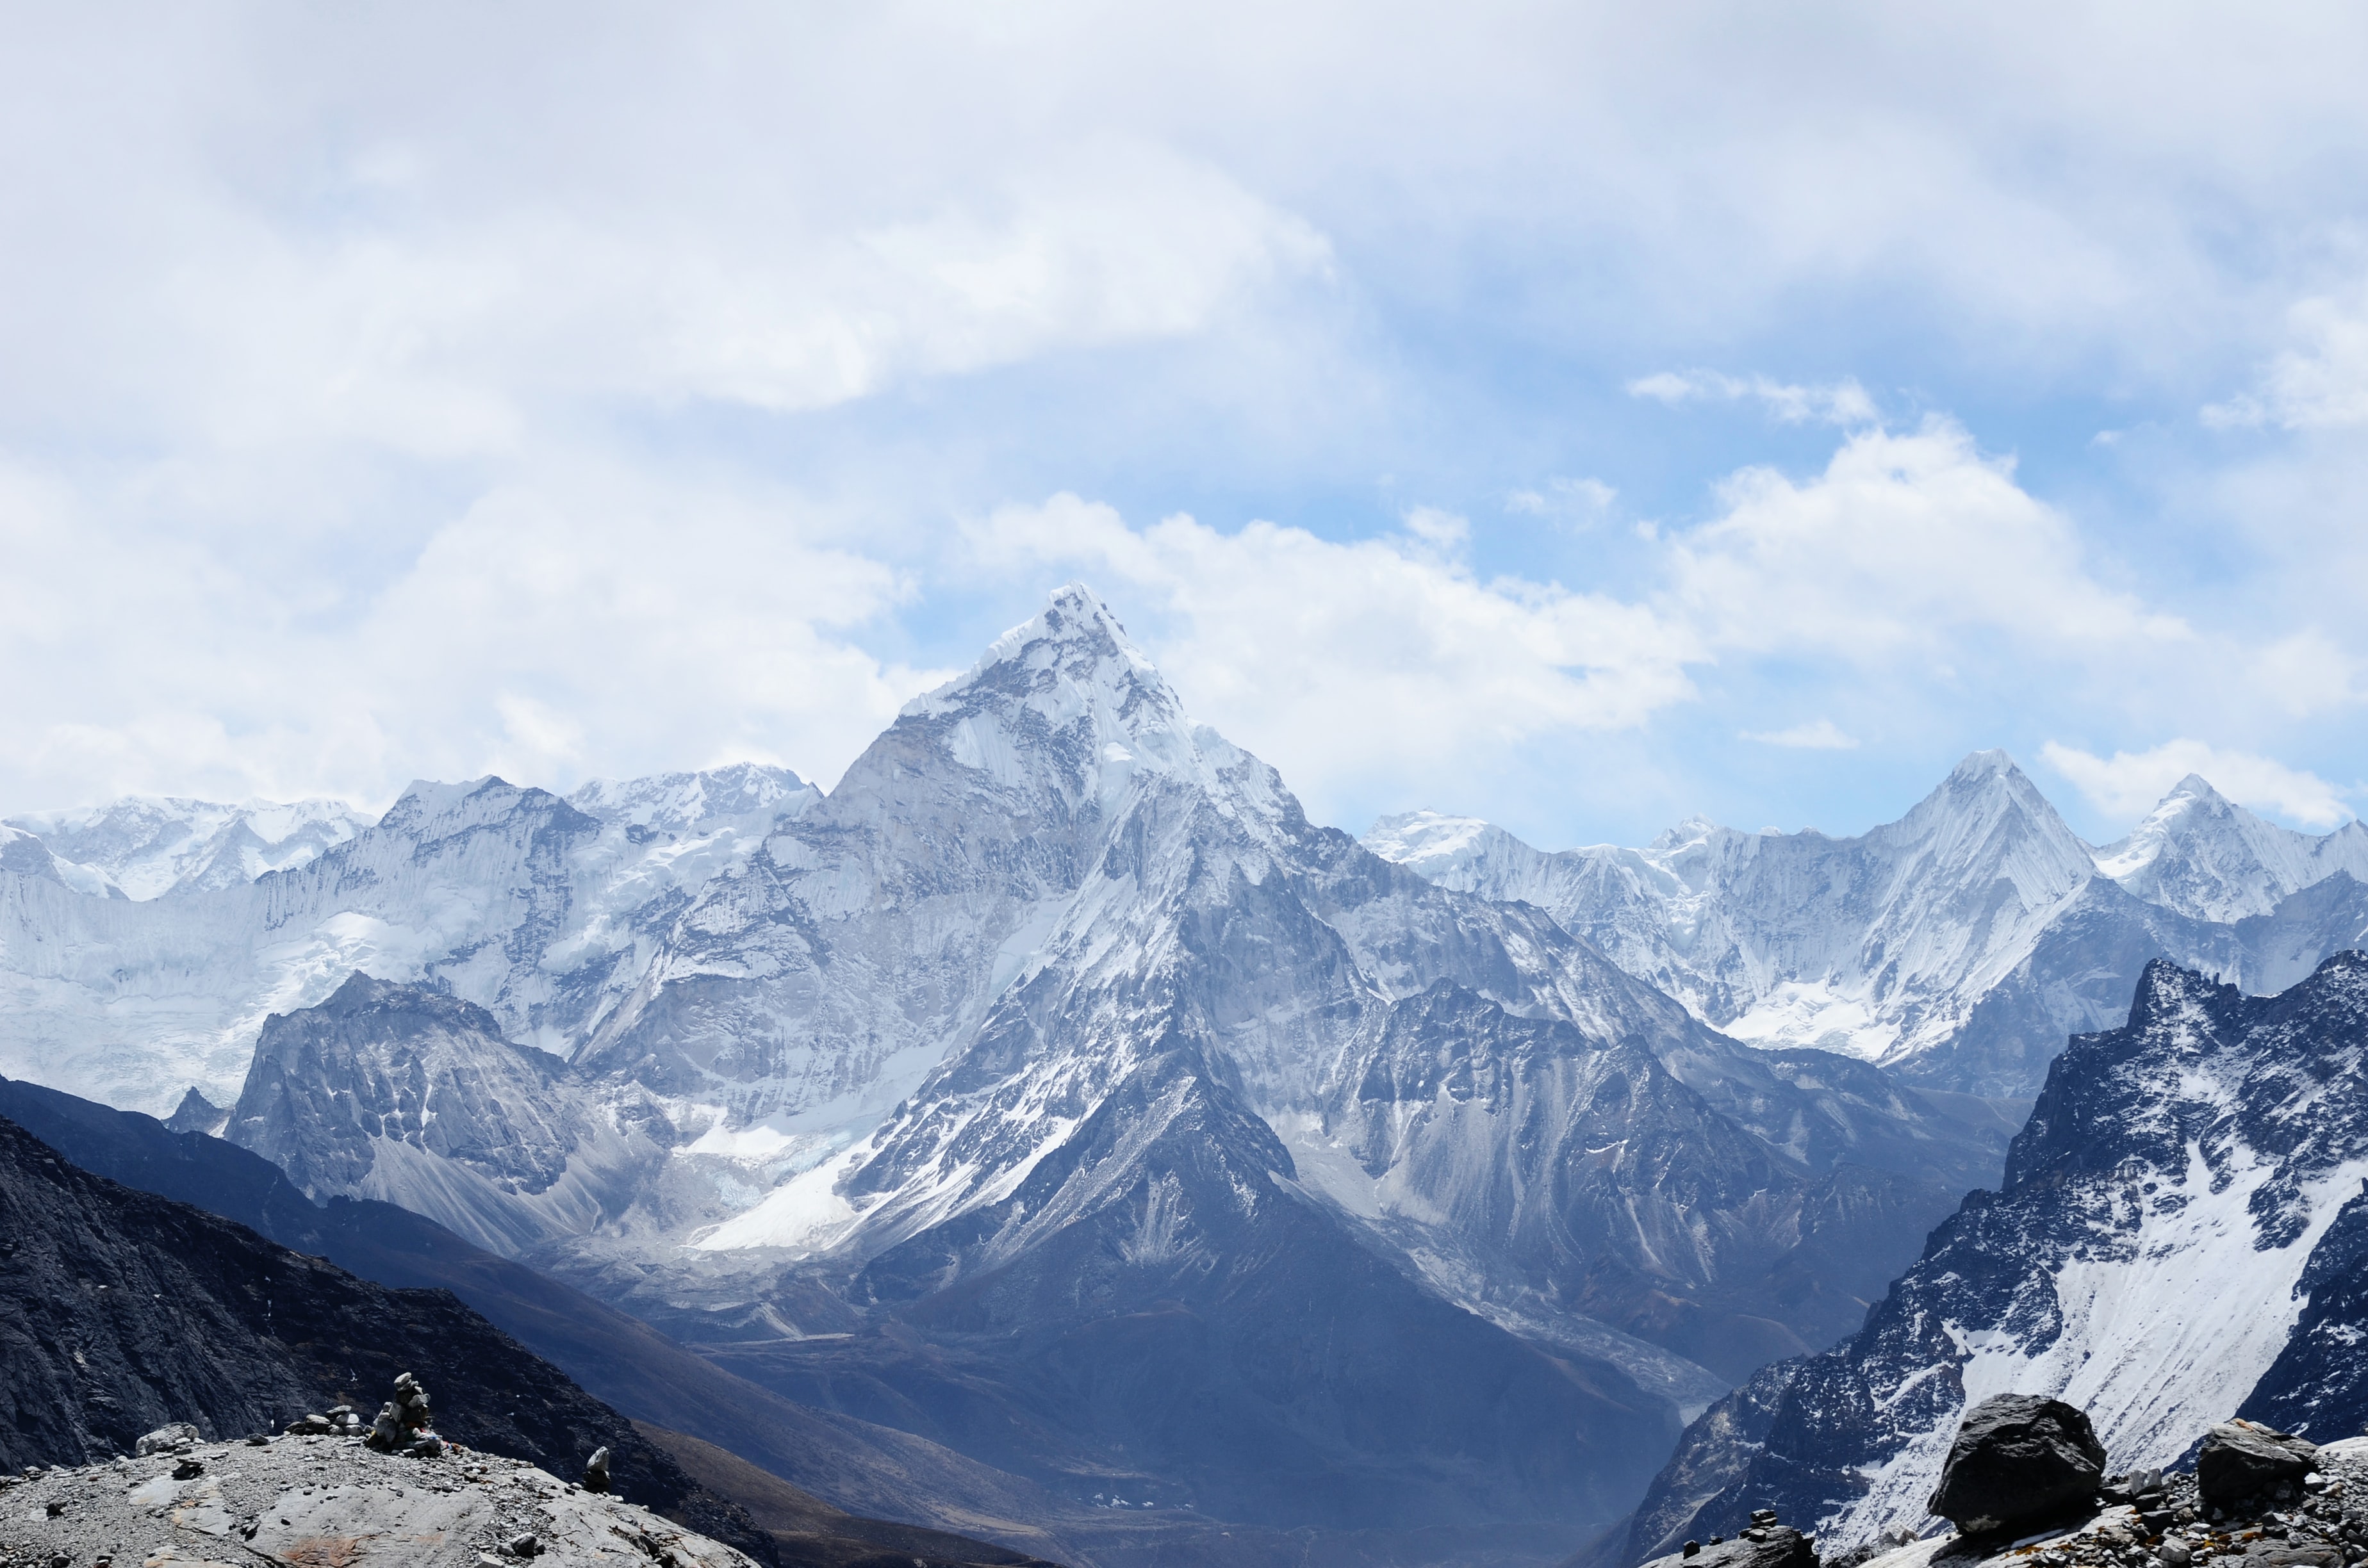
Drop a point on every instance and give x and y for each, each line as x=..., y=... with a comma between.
x=162, y=1439
x=2243, y=1460
x=2017, y=1458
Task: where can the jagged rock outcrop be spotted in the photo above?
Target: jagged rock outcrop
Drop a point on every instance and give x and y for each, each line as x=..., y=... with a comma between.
x=2180, y=1180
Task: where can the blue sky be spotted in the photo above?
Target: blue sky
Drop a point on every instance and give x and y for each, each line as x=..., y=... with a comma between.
x=1576, y=416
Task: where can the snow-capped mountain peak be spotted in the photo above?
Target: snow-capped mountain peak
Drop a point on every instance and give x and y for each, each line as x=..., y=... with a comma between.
x=1065, y=702
x=1444, y=848
x=2203, y=855
x=1074, y=646
x=141, y=846
x=743, y=794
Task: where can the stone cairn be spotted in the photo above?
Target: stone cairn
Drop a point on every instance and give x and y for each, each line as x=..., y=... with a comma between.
x=402, y=1426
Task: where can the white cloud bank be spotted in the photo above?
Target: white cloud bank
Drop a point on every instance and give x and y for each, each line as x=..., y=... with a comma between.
x=2320, y=385
x=1818, y=735
x=1908, y=555
x=1838, y=403
x=2127, y=785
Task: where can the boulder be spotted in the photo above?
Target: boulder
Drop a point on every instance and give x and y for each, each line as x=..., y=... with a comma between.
x=2244, y=1460
x=164, y=1439
x=2018, y=1457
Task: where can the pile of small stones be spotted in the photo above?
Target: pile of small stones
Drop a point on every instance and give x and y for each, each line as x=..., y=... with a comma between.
x=402, y=1426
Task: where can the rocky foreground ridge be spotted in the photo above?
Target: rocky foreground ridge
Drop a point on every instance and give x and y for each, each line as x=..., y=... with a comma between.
x=2024, y=1486
x=324, y=1500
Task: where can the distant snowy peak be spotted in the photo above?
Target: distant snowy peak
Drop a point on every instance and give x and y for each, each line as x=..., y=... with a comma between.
x=1989, y=818
x=2201, y=854
x=1463, y=853
x=141, y=846
x=1065, y=702
x=743, y=794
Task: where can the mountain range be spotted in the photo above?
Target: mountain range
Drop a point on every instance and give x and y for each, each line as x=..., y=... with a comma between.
x=1960, y=946
x=1053, y=1090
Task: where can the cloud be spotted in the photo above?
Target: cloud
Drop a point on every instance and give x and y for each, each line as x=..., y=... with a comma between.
x=1904, y=542
x=1581, y=500
x=1838, y=403
x=2128, y=784
x=1907, y=558
x=1339, y=661
x=1820, y=734
x=563, y=624
x=597, y=392
x=2322, y=385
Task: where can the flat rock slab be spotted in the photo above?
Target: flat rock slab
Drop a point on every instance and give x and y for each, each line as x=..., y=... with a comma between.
x=1772, y=1546
x=332, y=1502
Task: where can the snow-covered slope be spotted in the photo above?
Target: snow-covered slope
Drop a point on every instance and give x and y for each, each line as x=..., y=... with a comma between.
x=142, y=845
x=546, y=913
x=2152, y=1254
x=1962, y=943
x=2204, y=856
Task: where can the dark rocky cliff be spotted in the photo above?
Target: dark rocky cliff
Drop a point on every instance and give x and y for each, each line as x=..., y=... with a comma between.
x=120, y=1310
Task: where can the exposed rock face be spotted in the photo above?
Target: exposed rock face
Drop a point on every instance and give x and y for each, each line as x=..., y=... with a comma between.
x=2244, y=1462
x=400, y=1093
x=2178, y=1181
x=198, y=1113
x=120, y=1311
x=2319, y=1381
x=2017, y=1458
x=1734, y=1208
